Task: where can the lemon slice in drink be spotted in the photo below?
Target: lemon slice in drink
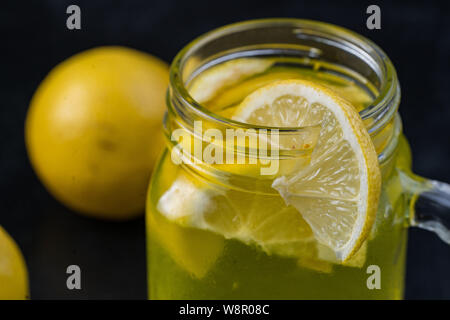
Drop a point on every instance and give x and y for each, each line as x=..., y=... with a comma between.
x=245, y=217
x=194, y=250
x=337, y=192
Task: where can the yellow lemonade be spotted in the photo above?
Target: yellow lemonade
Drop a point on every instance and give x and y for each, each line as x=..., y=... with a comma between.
x=239, y=258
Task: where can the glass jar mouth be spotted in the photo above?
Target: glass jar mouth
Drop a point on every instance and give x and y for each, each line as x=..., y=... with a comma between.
x=377, y=115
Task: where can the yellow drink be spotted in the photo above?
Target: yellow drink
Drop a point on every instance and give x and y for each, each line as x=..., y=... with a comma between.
x=192, y=263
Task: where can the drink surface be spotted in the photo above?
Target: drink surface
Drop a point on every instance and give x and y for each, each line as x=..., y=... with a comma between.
x=226, y=97
x=187, y=262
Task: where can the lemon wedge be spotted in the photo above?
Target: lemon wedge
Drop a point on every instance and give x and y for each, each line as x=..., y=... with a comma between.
x=337, y=192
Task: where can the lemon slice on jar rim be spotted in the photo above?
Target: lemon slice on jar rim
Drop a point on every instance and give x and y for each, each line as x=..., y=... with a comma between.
x=337, y=192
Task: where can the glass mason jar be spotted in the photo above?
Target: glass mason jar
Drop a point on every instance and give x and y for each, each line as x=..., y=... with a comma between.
x=211, y=227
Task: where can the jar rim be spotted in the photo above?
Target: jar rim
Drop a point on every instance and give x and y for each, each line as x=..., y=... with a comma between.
x=380, y=111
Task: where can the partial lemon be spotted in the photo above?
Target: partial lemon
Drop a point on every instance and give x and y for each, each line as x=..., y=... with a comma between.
x=356, y=261
x=337, y=192
x=13, y=271
x=93, y=130
x=193, y=249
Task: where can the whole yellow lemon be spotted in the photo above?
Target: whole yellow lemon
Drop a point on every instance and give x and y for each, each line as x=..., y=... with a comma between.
x=93, y=130
x=13, y=271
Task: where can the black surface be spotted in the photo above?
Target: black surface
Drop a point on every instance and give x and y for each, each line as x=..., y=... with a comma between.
x=34, y=38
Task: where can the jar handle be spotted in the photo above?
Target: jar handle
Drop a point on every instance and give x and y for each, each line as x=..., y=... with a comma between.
x=429, y=204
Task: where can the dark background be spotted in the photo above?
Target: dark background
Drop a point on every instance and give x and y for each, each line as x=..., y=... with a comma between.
x=34, y=38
